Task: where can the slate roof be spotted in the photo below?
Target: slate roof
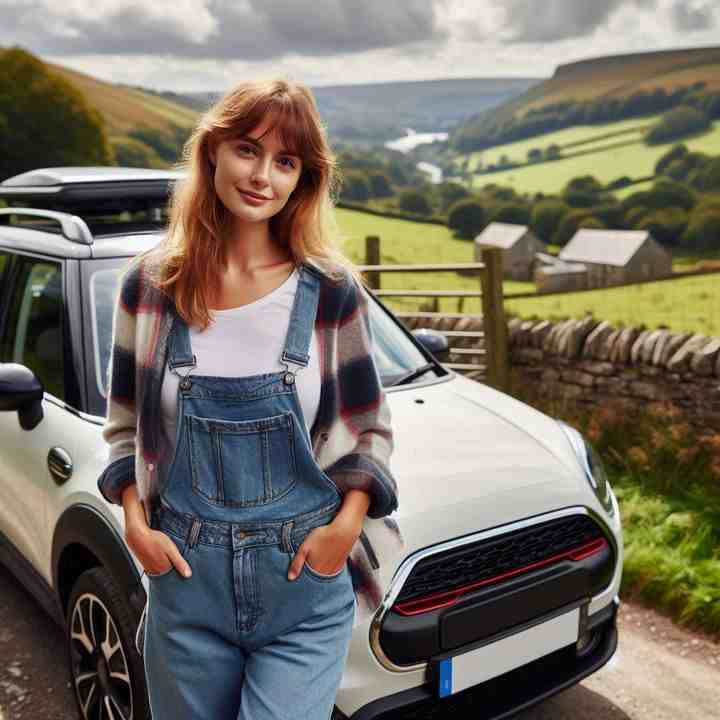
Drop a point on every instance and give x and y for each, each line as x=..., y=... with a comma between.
x=603, y=247
x=502, y=235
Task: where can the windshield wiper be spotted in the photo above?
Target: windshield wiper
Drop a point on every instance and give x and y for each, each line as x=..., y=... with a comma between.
x=413, y=374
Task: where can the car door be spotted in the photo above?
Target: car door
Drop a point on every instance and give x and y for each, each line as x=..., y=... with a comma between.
x=32, y=335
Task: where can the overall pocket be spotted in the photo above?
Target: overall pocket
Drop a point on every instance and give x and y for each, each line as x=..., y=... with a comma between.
x=242, y=463
x=182, y=546
x=296, y=540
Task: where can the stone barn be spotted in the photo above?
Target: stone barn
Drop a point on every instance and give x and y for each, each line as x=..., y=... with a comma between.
x=519, y=245
x=615, y=257
x=560, y=277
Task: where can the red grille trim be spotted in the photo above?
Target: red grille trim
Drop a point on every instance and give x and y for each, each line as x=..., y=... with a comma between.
x=450, y=597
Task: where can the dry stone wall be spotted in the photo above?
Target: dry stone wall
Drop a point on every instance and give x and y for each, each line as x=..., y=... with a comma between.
x=593, y=363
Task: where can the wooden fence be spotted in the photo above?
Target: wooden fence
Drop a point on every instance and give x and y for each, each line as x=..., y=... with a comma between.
x=491, y=340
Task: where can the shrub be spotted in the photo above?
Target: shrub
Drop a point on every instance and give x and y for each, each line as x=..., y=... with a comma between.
x=703, y=231
x=666, y=225
x=133, y=153
x=707, y=177
x=674, y=153
x=516, y=213
x=355, y=186
x=572, y=222
x=412, y=201
x=467, y=218
x=546, y=216
x=449, y=193
x=676, y=123
x=380, y=186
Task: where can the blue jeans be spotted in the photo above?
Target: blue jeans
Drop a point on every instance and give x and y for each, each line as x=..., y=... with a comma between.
x=238, y=639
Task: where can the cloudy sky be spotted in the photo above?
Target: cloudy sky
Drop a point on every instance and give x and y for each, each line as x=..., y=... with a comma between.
x=200, y=45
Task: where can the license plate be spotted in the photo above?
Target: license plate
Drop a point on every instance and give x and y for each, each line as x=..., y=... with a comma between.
x=458, y=672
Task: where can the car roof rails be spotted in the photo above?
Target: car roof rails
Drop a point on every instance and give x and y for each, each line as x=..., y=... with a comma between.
x=73, y=228
x=91, y=190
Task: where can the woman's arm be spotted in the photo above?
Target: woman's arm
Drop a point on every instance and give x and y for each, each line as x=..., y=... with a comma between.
x=364, y=409
x=120, y=423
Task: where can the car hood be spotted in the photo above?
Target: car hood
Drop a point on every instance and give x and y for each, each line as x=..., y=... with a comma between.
x=468, y=458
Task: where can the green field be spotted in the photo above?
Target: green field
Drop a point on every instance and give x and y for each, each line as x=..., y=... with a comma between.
x=691, y=304
x=585, y=134
x=636, y=160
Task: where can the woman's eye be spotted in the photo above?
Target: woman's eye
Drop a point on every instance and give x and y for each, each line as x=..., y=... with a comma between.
x=291, y=162
x=245, y=148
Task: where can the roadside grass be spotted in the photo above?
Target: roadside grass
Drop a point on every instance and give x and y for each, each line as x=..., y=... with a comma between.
x=666, y=478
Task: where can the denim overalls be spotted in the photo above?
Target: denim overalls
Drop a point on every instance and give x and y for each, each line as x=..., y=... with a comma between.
x=238, y=639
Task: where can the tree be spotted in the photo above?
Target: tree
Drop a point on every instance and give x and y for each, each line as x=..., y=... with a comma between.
x=572, y=222
x=707, y=178
x=133, y=153
x=703, y=231
x=674, y=153
x=546, y=216
x=449, y=193
x=380, y=186
x=412, y=201
x=666, y=225
x=355, y=187
x=583, y=191
x=514, y=213
x=676, y=123
x=47, y=121
x=467, y=218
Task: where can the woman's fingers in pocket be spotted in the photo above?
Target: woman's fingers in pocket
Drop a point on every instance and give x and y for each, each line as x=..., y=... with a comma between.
x=164, y=555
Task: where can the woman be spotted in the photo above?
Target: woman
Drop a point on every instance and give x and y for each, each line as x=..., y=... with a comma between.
x=249, y=433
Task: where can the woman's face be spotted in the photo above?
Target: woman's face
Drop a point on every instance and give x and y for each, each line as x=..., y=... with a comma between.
x=261, y=167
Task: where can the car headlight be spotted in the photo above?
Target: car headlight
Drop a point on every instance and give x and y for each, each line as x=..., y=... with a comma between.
x=592, y=464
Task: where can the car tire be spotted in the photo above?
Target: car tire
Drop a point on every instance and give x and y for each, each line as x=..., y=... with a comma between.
x=104, y=670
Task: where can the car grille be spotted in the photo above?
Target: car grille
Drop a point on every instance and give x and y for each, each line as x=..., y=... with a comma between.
x=494, y=559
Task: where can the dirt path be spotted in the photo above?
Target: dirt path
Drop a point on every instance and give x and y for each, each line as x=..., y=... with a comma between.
x=659, y=671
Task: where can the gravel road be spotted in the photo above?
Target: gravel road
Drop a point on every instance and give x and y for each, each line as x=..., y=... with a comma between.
x=659, y=671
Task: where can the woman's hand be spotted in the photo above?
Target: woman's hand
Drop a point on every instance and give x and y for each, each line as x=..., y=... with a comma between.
x=327, y=547
x=156, y=551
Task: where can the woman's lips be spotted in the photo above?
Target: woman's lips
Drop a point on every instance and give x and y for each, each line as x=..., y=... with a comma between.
x=252, y=199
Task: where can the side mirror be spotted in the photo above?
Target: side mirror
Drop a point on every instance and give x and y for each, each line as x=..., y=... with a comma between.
x=21, y=391
x=434, y=341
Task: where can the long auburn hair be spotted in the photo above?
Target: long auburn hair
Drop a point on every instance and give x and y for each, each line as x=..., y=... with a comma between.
x=189, y=259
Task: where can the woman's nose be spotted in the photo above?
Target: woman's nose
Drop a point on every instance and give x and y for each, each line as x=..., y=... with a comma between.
x=261, y=171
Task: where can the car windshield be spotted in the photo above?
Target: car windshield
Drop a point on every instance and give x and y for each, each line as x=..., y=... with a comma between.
x=395, y=354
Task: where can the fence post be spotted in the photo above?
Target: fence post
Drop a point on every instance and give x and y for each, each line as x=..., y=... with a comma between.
x=372, y=257
x=494, y=325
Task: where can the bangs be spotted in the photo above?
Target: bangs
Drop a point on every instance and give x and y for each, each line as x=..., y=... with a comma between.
x=287, y=116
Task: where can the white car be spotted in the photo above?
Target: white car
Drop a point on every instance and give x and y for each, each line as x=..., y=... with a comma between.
x=508, y=592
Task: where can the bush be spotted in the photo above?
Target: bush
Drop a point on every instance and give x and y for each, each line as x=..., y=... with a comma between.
x=707, y=177
x=572, y=222
x=515, y=213
x=703, y=231
x=467, y=218
x=546, y=216
x=380, y=186
x=412, y=201
x=355, y=187
x=666, y=192
x=674, y=153
x=449, y=193
x=166, y=147
x=676, y=123
x=583, y=191
x=665, y=225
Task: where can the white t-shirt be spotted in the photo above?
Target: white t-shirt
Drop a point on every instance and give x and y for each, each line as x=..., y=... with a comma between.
x=246, y=340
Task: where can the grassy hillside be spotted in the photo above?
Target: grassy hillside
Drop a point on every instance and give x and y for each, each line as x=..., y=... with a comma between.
x=606, y=158
x=125, y=108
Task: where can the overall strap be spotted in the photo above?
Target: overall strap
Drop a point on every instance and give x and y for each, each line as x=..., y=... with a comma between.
x=302, y=320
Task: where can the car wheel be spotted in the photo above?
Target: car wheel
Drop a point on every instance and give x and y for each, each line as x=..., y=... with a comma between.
x=106, y=670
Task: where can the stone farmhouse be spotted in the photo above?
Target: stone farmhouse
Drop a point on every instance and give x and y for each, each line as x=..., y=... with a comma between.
x=615, y=257
x=519, y=245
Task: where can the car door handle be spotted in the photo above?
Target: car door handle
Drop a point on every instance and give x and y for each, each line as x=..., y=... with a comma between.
x=60, y=465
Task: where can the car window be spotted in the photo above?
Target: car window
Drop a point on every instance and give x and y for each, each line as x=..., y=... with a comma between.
x=33, y=332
